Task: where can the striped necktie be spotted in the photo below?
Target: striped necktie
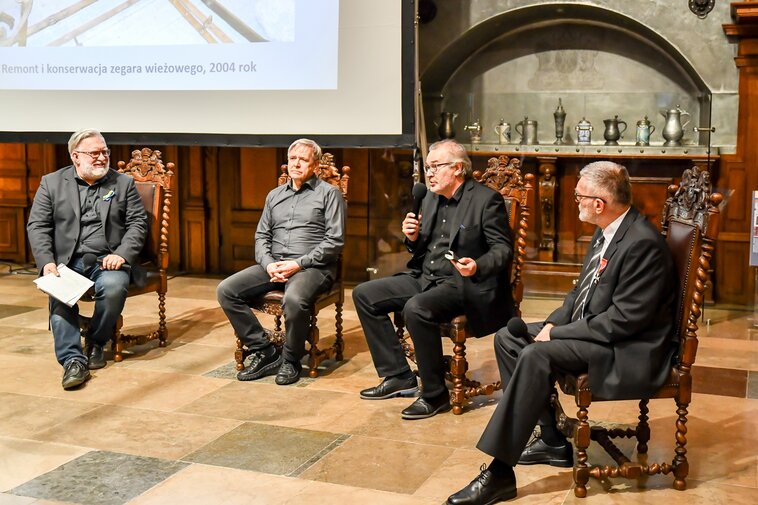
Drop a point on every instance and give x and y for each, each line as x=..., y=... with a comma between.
x=587, y=274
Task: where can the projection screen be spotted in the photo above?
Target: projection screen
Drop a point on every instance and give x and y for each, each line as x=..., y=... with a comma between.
x=208, y=72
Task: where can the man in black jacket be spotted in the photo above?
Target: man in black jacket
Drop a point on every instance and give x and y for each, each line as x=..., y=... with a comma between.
x=458, y=215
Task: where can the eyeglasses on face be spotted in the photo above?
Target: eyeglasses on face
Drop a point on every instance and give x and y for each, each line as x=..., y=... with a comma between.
x=96, y=154
x=433, y=169
x=578, y=197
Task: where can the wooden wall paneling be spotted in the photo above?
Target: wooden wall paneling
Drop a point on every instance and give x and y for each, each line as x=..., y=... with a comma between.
x=245, y=176
x=193, y=209
x=355, y=253
x=390, y=181
x=13, y=202
x=213, y=195
x=738, y=173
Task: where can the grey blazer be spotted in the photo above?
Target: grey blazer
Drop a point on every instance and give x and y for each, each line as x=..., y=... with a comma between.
x=54, y=220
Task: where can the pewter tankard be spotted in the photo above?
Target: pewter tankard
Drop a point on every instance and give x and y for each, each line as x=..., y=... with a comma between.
x=528, y=131
x=673, y=130
x=612, y=133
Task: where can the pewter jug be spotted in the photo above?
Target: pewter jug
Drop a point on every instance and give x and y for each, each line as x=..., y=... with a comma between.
x=583, y=132
x=612, y=133
x=673, y=130
x=528, y=131
x=644, y=130
x=503, y=131
x=445, y=128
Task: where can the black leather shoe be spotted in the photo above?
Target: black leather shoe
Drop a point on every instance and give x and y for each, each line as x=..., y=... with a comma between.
x=539, y=453
x=74, y=374
x=423, y=408
x=289, y=373
x=390, y=388
x=485, y=489
x=264, y=362
x=95, y=356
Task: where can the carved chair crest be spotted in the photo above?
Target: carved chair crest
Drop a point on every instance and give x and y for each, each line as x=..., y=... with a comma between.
x=146, y=166
x=503, y=174
x=692, y=199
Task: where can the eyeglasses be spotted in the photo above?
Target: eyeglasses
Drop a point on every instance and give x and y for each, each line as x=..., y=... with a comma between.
x=578, y=197
x=433, y=169
x=96, y=154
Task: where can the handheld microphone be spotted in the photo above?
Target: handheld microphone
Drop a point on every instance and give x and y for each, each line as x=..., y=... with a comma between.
x=517, y=327
x=418, y=192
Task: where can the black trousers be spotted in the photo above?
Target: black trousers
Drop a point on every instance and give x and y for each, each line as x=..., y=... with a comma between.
x=300, y=291
x=423, y=311
x=526, y=371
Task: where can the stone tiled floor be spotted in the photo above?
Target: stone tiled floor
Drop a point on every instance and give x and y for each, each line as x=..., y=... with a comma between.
x=172, y=425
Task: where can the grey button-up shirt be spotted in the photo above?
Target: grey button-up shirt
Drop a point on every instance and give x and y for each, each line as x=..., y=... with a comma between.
x=307, y=225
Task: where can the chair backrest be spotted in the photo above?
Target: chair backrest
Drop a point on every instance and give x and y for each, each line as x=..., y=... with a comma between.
x=327, y=170
x=690, y=223
x=153, y=181
x=504, y=176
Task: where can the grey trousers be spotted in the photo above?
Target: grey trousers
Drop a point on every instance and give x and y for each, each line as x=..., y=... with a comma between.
x=300, y=291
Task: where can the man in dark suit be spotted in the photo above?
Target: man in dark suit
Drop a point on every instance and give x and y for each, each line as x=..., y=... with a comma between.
x=90, y=218
x=617, y=323
x=458, y=215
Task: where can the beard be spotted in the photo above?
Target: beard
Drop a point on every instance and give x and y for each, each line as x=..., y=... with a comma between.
x=585, y=215
x=93, y=172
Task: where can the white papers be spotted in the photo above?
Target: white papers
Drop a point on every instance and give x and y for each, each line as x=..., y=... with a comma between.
x=68, y=288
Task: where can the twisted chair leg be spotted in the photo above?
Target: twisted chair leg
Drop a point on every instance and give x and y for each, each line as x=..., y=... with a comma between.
x=680, y=463
x=581, y=443
x=339, y=344
x=643, y=429
x=162, y=330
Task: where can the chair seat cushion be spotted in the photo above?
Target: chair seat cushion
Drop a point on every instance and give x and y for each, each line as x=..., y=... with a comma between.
x=572, y=384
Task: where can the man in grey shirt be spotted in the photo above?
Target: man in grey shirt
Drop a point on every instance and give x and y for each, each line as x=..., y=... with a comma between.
x=297, y=243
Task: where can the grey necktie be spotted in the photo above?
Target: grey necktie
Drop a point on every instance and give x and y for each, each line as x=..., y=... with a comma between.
x=587, y=274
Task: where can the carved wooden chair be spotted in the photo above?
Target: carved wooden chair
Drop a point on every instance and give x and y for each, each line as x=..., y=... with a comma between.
x=690, y=224
x=153, y=181
x=271, y=302
x=504, y=176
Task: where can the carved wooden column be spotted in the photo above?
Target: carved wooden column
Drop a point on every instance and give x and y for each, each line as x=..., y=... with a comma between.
x=548, y=183
x=193, y=192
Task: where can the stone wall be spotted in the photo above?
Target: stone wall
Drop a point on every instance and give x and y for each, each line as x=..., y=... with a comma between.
x=598, y=69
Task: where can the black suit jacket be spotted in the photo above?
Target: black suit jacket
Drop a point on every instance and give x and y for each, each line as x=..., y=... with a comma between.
x=629, y=313
x=481, y=232
x=55, y=218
